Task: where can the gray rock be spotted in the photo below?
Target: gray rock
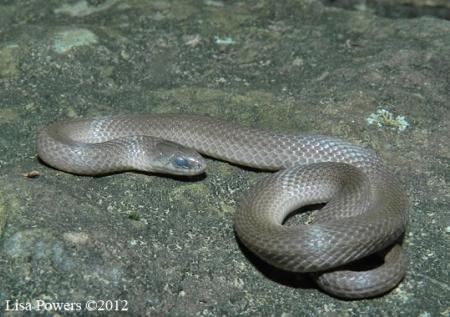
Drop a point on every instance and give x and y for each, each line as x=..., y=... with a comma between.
x=166, y=245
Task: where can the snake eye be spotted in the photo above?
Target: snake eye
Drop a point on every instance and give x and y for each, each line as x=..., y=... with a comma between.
x=181, y=162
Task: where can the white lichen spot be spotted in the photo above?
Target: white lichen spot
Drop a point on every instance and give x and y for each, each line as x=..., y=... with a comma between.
x=66, y=40
x=298, y=61
x=133, y=242
x=224, y=40
x=192, y=40
x=385, y=118
x=239, y=283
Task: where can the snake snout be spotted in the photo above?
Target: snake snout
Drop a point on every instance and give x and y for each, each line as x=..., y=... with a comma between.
x=173, y=158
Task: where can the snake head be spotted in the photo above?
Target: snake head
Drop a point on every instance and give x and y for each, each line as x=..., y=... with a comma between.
x=171, y=158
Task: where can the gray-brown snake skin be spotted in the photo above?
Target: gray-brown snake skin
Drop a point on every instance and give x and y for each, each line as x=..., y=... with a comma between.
x=365, y=210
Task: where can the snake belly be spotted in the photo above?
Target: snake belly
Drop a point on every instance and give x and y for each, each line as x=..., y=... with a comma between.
x=365, y=210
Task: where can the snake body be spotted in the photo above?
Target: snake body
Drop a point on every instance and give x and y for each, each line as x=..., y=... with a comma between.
x=365, y=209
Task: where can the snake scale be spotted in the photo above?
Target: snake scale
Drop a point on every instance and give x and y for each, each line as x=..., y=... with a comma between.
x=365, y=209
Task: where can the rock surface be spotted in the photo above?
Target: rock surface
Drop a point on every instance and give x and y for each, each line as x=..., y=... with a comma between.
x=166, y=245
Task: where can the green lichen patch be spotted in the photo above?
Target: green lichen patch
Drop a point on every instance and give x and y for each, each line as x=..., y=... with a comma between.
x=134, y=215
x=8, y=115
x=190, y=195
x=83, y=8
x=2, y=215
x=8, y=60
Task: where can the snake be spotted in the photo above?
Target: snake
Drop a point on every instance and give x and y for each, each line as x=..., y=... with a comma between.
x=364, y=206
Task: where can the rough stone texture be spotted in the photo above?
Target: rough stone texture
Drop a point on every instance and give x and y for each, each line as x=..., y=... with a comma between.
x=166, y=245
x=397, y=8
